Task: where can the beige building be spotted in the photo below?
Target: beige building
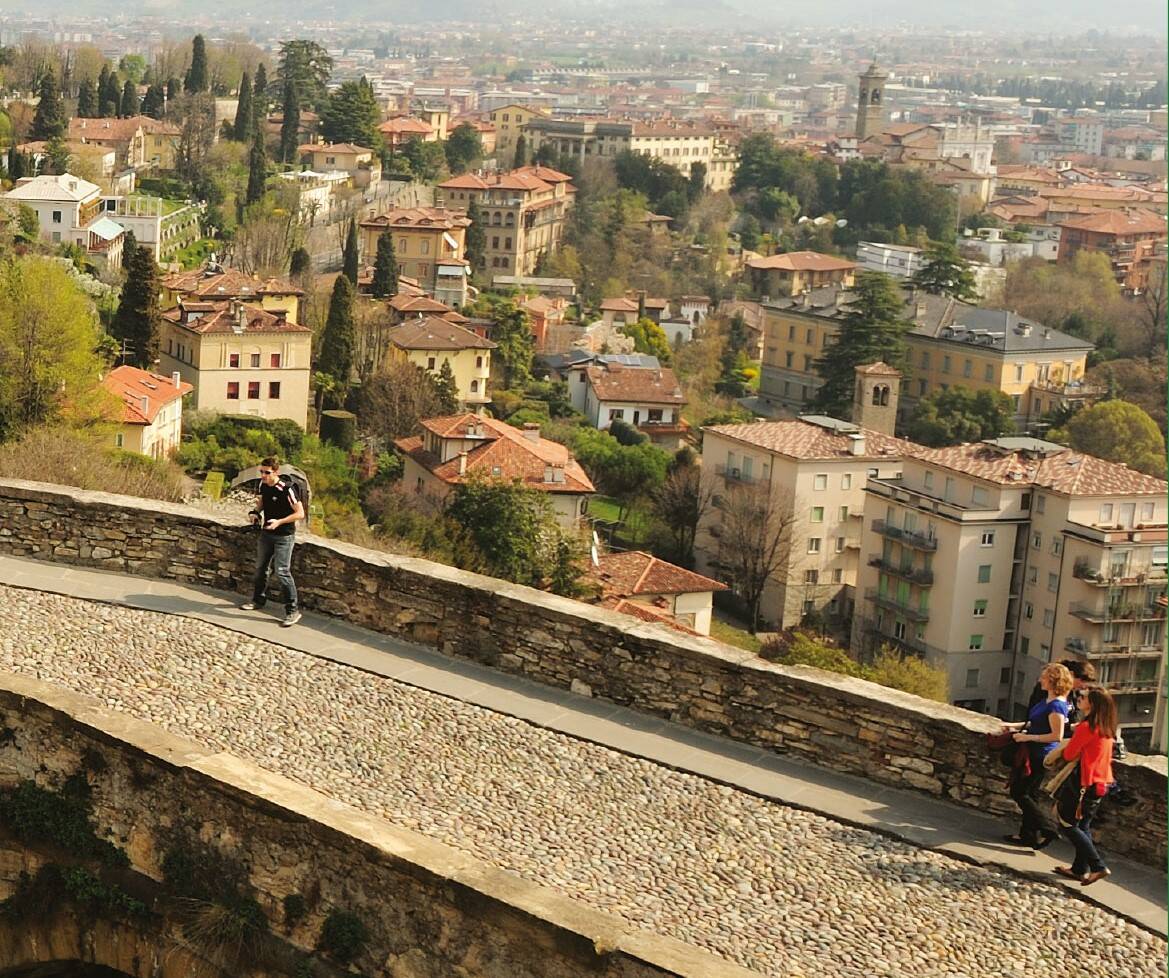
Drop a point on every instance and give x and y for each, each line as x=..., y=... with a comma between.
x=815, y=470
x=992, y=559
x=240, y=358
x=429, y=244
x=429, y=341
x=951, y=344
x=69, y=211
x=452, y=450
x=151, y=421
x=361, y=164
x=797, y=272
x=524, y=215
x=509, y=122
x=138, y=141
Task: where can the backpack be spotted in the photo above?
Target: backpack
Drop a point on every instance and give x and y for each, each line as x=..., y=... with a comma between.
x=303, y=491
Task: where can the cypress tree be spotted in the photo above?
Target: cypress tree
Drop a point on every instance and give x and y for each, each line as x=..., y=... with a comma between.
x=257, y=168
x=129, y=104
x=336, y=356
x=521, y=152
x=86, y=100
x=129, y=247
x=172, y=89
x=109, y=99
x=447, y=388
x=242, y=129
x=138, y=317
x=290, y=124
x=385, y=268
x=350, y=260
x=103, y=83
x=49, y=121
x=260, y=101
x=196, y=80
x=476, y=240
x=16, y=168
x=300, y=264
x=154, y=102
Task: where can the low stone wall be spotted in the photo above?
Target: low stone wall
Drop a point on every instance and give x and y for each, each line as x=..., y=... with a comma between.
x=845, y=724
x=430, y=911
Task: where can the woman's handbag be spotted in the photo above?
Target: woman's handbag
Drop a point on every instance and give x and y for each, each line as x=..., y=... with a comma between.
x=1003, y=744
x=1055, y=783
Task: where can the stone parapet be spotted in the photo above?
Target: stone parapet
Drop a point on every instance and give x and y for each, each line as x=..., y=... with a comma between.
x=849, y=725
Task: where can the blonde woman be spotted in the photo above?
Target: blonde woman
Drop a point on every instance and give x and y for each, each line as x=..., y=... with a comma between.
x=1039, y=734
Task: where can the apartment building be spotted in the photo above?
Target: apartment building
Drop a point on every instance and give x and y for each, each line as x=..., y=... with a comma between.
x=796, y=272
x=509, y=122
x=217, y=283
x=428, y=341
x=992, y=559
x=429, y=244
x=951, y=344
x=524, y=214
x=138, y=141
x=69, y=211
x=815, y=469
x=360, y=164
x=1128, y=239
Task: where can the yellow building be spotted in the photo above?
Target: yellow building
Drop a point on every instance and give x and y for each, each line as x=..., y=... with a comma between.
x=151, y=421
x=138, y=141
x=509, y=121
x=216, y=283
x=798, y=271
x=951, y=344
x=429, y=341
x=429, y=243
x=361, y=164
x=240, y=358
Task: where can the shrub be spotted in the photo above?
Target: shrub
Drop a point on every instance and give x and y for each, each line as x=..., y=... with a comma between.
x=343, y=935
x=294, y=909
x=61, y=818
x=910, y=674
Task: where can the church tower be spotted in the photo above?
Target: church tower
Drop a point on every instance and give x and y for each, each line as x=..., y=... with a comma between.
x=870, y=106
x=874, y=402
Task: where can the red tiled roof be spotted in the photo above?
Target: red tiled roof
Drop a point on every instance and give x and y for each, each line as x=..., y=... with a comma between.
x=222, y=317
x=615, y=382
x=229, y=283
x=1118, y=222
x=118, y=130
x=432, y=333
x=805, y=440
x=333, y=148
x=419, y=217
x=803, y=261
x=636, y=572
x=133, y=386
x=405, y=124
x=652, y=615
x=417, y=304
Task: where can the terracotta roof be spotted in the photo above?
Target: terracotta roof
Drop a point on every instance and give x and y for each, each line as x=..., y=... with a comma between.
x=501, y=452
x=803, y=261
x=227, y=283
x=1118, y=222
x=878, y=369
x=636, y=572
x=405, y=124
x=417, y=304
x=118, y=130
x=545, y=173
x=652, y=615
x=615, y=382
x=134, y=386
x=223, y=317
x=334, y=148
x=419, y=217
x=432, y=333
x=805, y=440
x=619, y=305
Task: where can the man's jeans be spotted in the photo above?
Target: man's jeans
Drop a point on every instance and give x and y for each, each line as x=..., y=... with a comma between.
x=276, y=549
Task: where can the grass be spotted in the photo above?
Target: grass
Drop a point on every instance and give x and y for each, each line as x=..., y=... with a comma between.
x=608, y=510
x=725, y=632
x=195, y=254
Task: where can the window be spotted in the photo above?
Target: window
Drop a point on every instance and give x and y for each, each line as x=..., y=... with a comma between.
x=811, y=337
x=495, y=241
x=788, y=358
x=811, y=577
x=424, y=247
x=56, y=217
x=975, y=643
x=988, y=372
x=474, y=387
x=925, y=360
x=254, y=359
x=1005, y=676
x=274, y=390
x=928, y=480
x=817, y=514
x=922, y=387
x=1106, y=513
x=1048, y=617
x=119, y=440
x=253, y=390
x=1029, y=611
x=479, y=365
x=842, y=513
x=840, y=545
x=274, y=360
x=813, y=545
x=1053, y=582
x=967, y=368
x=979, y=496
x=1160, y=556
x=233, y=390
x=1036, y=541
x=807, y=363
x=899, y=629
x=984, y=573
x=430, y=362
x=791, y=332
x=618, y=414
x=233, y=359
x=945, y=364
x=1147, y=511
x=1033, y=575
x=1018, y=372
x=846, y=481
x=820, y=481
x=1056, y=546
x=972, y=677
x=837, y=575
x=1041, y=504
x=980, y=609
x=987, y=539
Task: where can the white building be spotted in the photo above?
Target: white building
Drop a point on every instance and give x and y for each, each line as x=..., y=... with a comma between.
x=650, y=400
x=902, y=261
x=664, y=589
x=69, y=211
x=151, y=419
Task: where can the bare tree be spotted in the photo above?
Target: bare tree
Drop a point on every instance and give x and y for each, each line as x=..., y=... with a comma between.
x=755, y=539
x=264, y=243
x=195, y=117
x=681, y=502
x=395, y=399
x=1153, y=305
x=371, y=338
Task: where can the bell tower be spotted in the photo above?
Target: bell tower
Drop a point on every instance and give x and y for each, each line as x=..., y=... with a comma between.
x=870, y=104
x=874, y=401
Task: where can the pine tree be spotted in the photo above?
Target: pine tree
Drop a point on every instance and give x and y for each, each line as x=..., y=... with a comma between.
x=49, y=121
x=351, y=115
x=257, y=168
x=242, y=130
x=351, y=259
x=109, y=99
x=521, y=152
x=872, y=329
x=945, y=272
x=476, y=240
x=154, y=102
x=300, y=264
x=129, y=104
x=336, y=353
x=16, y=167
x=385, y=268
x=86, y=100
x=138, y=317
x=196, y=80
x=290, y=124
x=447, y=388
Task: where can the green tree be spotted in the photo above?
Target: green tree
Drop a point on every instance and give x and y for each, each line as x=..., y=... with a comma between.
x=86, y=99
x=260, y=98
x=129, y=247
x=289, y=124
x=476, y=237
x=57, y=156
x=521, y=152
x=648, y=337
x=352, y=115
x=133, y=66
x=958, y=415
x=350, y=256
x=49, y=122
x=385, y=268
x=241, y=131
x=173, y=89
x=696, y=185
x=447, y=388
x=307, y=66
x=109, y=96
x=336, y=353
x=945, y=272
x=463, y=148
x=514, y=343
x=154, y=102
x=426, y=160
x=196, y=79
x=392, y=402
x=873, y=328
x=48, y=335
x=300, y=263
x=257, y=168
x=128, y=105
x=1117, y=431
x=139, y=317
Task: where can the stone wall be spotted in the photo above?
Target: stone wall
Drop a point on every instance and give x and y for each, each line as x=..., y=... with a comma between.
x=431, y=911
x=845, y=724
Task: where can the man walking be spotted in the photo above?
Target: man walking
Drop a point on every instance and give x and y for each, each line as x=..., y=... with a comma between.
x=278, y=509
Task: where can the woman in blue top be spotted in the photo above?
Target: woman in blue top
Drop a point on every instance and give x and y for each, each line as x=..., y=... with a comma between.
x=1042, y=731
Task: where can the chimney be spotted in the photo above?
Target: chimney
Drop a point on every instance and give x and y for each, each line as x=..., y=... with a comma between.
x=549, y=473
x=176, y=378
x=532, y=431
x=919, y=307
x=239, y=315
x=462, y=463
x=144, y=406
x=856, y=444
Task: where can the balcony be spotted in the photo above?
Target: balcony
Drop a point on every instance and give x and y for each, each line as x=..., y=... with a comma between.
x=1131, y=685
x=1100, y=614
x=918, y=575
x=1117, y=577
x=735, y=476
x=1112, y=650
x=911, y=611
x=919, y=541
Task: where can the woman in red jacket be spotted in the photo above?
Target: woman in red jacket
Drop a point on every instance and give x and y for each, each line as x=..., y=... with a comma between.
x=1091, y=745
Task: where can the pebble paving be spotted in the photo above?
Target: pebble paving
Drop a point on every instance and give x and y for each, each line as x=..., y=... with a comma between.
x=777, y=890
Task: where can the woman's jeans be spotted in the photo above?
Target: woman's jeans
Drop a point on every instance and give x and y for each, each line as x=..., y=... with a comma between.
x=1080, y=835
x=1026, y=793
x=276, y=549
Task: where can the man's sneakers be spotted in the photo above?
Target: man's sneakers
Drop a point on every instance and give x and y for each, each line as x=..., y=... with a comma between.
x=290, y=619
x=248, y=606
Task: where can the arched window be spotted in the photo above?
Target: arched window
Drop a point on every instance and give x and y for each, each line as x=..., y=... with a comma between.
x=509, y=220
x=876, y=397
x=474, y=387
